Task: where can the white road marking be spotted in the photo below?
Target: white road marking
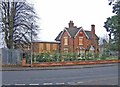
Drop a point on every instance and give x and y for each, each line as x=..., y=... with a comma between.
x=19, y=84
x=113, y=84
x=33, y=84
x=71, y=82
x=80, y=82
x=47, y=83
x=74, y=83
x=7, y=84
x=60, y=83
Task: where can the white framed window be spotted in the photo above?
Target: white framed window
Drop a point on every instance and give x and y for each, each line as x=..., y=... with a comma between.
x=41, y=46
x=54, y=46
x=65, y=50
x=80, y=40
x=65, y=40
x=48, y=47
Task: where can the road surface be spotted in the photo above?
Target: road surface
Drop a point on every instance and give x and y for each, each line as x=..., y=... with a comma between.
x=79, y=76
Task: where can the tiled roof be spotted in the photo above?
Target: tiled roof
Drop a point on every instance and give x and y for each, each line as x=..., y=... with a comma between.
x=39, y=41
x=97, y=37
x=72, y=31
x=59, y=36
x=88, y=33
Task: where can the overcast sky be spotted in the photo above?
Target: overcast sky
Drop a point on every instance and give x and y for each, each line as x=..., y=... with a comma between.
x=56, y=14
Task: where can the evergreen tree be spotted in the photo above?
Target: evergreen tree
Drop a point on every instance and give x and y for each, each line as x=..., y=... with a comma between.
x=112, y=24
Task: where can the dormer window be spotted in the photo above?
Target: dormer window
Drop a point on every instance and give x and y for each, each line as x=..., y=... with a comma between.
x=65, y=40
x=80, y=40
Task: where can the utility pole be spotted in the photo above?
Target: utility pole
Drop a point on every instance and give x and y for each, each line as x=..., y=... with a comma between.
x=31, y=44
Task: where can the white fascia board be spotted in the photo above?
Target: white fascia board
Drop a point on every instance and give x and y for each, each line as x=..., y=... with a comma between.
x=67, y=32
x=83, y=31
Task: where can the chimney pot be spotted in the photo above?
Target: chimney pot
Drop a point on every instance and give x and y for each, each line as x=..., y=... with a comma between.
x=71, y=24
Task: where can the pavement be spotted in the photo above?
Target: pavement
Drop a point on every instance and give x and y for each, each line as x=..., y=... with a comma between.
x=56, y=67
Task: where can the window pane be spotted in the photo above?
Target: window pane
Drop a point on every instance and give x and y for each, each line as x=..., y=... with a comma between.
x=54, y=47
x=41, y=46
x=65, y=50
x=48, y=47
x=80, y=40
x=65, y=41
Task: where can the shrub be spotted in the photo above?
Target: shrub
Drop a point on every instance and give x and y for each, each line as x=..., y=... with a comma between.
x=56, y=57
x=103, y=57
x=27, y=56
x=43, y=57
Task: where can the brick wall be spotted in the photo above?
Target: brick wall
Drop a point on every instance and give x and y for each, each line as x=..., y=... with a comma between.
x=73, y=43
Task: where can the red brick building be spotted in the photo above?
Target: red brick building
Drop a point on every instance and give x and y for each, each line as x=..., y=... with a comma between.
x=75, y=39
x=45, y=46
x=71, y=40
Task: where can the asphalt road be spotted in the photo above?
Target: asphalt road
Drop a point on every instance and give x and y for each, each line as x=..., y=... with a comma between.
x=83, y=76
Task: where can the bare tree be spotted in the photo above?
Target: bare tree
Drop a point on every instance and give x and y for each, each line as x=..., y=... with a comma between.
x=18, y=22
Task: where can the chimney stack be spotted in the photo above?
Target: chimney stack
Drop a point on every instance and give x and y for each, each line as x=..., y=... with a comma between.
x=93, y=29
x=71, y=24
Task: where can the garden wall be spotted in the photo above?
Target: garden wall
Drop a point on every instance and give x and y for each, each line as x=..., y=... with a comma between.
x=49, y=64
